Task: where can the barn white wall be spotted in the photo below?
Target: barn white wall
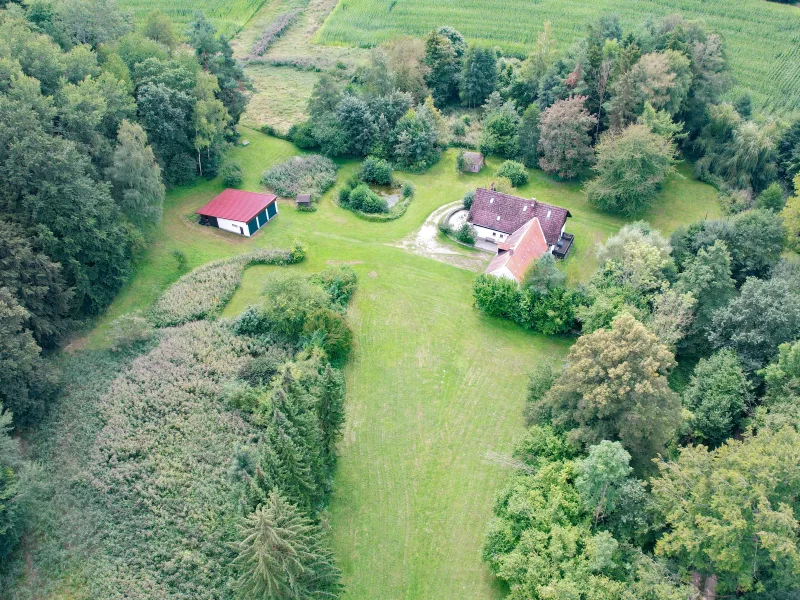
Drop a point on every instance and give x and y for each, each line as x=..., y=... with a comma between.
x=233, y=226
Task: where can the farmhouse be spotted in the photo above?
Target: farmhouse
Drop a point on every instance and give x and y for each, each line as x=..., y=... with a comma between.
x=239, y=211
x=516, y=253
x=496, y=216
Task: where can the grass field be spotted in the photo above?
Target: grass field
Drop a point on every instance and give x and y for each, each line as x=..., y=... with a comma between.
x=763, y=38
x=432, y=385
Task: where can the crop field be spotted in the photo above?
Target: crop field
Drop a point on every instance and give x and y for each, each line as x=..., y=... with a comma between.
x=228, y=15
x=770, y=71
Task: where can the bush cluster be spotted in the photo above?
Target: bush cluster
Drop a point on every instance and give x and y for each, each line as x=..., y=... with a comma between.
x=552, y=312
x=376, y=171
x=514, y=171
x=204, y=291
x=356, y=195
x=232, y=174
x=312, y=174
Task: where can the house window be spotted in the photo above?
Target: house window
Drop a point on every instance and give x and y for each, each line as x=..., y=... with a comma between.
x=548, y=213
x=498, y=217
x=525, y=208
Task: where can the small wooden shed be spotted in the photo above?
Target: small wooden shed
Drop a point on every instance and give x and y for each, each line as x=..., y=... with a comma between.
x=473, y=162
x=303, y=199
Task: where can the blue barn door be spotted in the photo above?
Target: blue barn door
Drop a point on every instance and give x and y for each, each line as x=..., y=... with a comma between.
x=272, y=210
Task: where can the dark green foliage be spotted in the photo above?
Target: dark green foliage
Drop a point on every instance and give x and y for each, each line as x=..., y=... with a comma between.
x=260, y=370
x=478, y=76
x=541, y=380
x=407, y=190
x=339, y=282
x=281, y=554
x=765, y=315
x=466, y=201
x=543, y=275
x=465, y=234
x=328, y=329
x=529, y=136
x=631, y=167
x=789, y=153
x=356, y=124
x=707, y=277
x=500, y=134
x=376, y=171
x=514, y=172
x=231, y=173
x=754, y=238
x=12, y=496
x=365, y=200
x=216, y=56
x=771, y=198
x=496, y=296
x=417, y=145
x=717, y=398
x=443, y=68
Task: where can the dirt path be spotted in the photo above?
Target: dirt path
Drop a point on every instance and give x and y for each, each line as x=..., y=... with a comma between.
x=426, y=242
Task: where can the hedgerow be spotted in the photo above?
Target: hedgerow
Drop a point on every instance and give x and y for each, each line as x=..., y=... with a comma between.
x=205, y=291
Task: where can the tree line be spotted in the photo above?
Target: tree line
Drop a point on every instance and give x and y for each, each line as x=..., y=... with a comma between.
x=95, y=117
x=657, y=463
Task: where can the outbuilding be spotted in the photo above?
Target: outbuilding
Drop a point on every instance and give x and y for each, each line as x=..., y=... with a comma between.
x=239, y=212
x=473, y=162
x=303, y=199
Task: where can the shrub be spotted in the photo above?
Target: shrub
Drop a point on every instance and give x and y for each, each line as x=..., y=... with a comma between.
x=364, y=199
x=468, y=198
x=340, y=284
x=336, y=336
x=302, y=136
x=261, y=369
x=407, y=190
x=514, y=171
x=376, y=171
x=771, y=198
x=204, y=291
x=312, y=174
x=128, y=331
x=232, y=174
x=461, y=162
x=465, y=234
x=180, y=259
x=496, y=296
x=459, y=129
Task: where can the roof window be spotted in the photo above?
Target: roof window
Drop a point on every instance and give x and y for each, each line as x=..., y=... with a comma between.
x=525, y=208
x=491, y=200
x=498, y=217
x=549, y=212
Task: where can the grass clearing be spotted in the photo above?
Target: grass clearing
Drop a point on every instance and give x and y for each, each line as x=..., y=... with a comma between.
x=771, y=71
x=432, y=384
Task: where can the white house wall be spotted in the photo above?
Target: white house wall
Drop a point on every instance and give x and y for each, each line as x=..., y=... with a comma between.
x=233, y=226
x=485, y=233
x=503, y=272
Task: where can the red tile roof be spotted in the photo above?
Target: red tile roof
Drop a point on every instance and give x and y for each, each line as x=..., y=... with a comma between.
x=524, y=246
x=237, y=205
x=514, y=212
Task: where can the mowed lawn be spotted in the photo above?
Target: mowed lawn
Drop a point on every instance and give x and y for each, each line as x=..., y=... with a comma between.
x=432, y=386
x=763, y=38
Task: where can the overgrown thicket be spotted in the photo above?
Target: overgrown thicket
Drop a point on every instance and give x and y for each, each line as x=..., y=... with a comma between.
x=205, y=291
x=207, y=465
x=92, y=115
x=312, y=174
x=637, y=483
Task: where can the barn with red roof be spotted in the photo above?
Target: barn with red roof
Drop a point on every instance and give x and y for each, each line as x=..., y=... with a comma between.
x=239, y=212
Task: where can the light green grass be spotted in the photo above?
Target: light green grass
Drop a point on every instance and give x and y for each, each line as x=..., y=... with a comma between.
x=280, y=98
x=763, y=38
x=228, y=15
x=432, y=385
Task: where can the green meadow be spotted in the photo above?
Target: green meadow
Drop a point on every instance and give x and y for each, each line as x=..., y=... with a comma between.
x=434, y=387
